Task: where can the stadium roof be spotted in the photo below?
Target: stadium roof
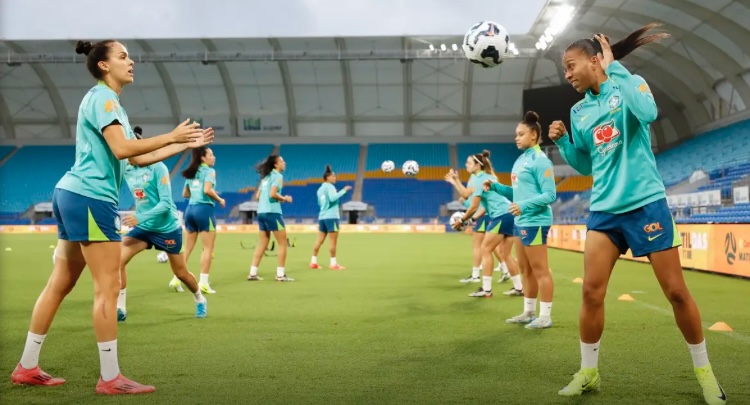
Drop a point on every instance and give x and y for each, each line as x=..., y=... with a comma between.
x=369, y=87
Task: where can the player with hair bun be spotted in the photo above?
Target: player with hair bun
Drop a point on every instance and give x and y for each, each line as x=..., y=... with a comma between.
x=532, y=193
x=85, y=204
x=328, y=219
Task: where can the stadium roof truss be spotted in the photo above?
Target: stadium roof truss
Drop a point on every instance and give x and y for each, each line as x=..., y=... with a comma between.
x=388, y=86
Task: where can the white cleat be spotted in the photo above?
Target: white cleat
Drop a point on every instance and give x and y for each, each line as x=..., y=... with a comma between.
x=524, y=318
x=513, y=292
x=206, y=288
x=543, y=322
x=504, y=278
x=471, y=280
x=176, y=285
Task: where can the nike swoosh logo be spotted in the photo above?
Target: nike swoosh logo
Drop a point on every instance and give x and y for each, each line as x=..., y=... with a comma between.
x=108, y=350
x=723, y=396
x=37, y=342
x=651, y=238
x=584, y=117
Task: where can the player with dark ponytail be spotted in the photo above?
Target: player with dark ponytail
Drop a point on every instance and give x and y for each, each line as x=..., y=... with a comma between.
x=328, y=219
x=610, y=139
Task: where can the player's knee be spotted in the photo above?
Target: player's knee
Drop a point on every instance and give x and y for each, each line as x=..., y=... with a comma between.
x=593, y=294
x=677, y=296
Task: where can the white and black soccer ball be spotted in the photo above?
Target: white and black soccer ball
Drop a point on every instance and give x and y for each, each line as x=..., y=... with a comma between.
x=162, y=257
x=455, y=219
x=387, y=166
x=410, y=168
x=486, y=43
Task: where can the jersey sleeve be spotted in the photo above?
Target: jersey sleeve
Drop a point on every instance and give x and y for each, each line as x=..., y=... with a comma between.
x=333, y=195
x=476, y=184
x=635, y=92
x=545, y=178
x=102, y=109
x=578, y=160
x=210, y=177
x=503, y=190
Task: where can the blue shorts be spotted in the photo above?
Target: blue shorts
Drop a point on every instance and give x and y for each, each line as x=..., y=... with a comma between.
x=84, y=219
x=503, y=225
x=644, y=230
x=532, y=235
x=200, y=218
x=270, y=222
x=170, y=242
x=328, y=225
x=480, y=224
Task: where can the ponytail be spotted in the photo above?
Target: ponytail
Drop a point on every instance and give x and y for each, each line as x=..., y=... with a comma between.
x=196, y=160
x=328, y=173
x=622, y=48
x=483, y=159
x=265, y=167
x=531, y=120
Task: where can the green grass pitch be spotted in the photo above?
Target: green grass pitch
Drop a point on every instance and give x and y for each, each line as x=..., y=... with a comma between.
x=396, y=327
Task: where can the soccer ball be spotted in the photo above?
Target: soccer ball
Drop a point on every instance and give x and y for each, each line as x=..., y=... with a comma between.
x=388, y=166
x=162, y=257
x=486, y=43
x=456, y=218
x=410, y=168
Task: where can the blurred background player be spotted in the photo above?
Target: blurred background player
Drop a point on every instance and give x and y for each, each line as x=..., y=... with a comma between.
x=626, y=212
x=270, y=219
x=155, y=224
x=479, y=223
x=328, y=219
x=85, y=204
x=200, y=188
x=533, y=193
x=496, y=207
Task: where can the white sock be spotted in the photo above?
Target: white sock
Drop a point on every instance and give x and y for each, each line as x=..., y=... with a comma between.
x=121, y=300
x=529, y=305
x=475, y=272
x=253, y=270
x=504, y=267
x=108, y=360
x=204, y=279
x=498, y=267
x=30, y=356
x=699, y=354
x=545, y=309
x=590, y=355
x=333, y=261
x=487, y=283
x=517, y=282
x=198, y=296
x=314, y=260
x=280, y=272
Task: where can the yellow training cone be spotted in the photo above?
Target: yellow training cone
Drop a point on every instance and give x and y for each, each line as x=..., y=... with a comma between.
x=626, y=297
x=720, y=327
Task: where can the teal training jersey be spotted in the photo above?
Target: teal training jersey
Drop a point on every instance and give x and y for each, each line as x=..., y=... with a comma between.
x=328, y=200
x=612, y=141
x=533, y=188
x=204, y=175
x=97, y=173
x=152, y=192
x=266, y=204
x=495, y=204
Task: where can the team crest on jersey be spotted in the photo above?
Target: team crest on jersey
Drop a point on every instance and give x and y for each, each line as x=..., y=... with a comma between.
x=605, y=133
x=145, y=178
x=614, y=102
x=139, y=194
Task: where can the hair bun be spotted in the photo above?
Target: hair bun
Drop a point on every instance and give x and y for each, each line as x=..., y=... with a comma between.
x=83, y=47
x=531, y=118
x=486, y=153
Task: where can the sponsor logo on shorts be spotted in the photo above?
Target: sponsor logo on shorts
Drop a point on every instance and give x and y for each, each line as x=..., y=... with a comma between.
x=170, y=242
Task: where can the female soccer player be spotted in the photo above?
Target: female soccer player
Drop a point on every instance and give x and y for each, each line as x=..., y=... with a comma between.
x=269, y=215
x=612, y=142
x=479, y=223
x=200, y=183
x=533, y=192
x=499, y=228
x=85, y=205
x=328, y=219
x=155, y=224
